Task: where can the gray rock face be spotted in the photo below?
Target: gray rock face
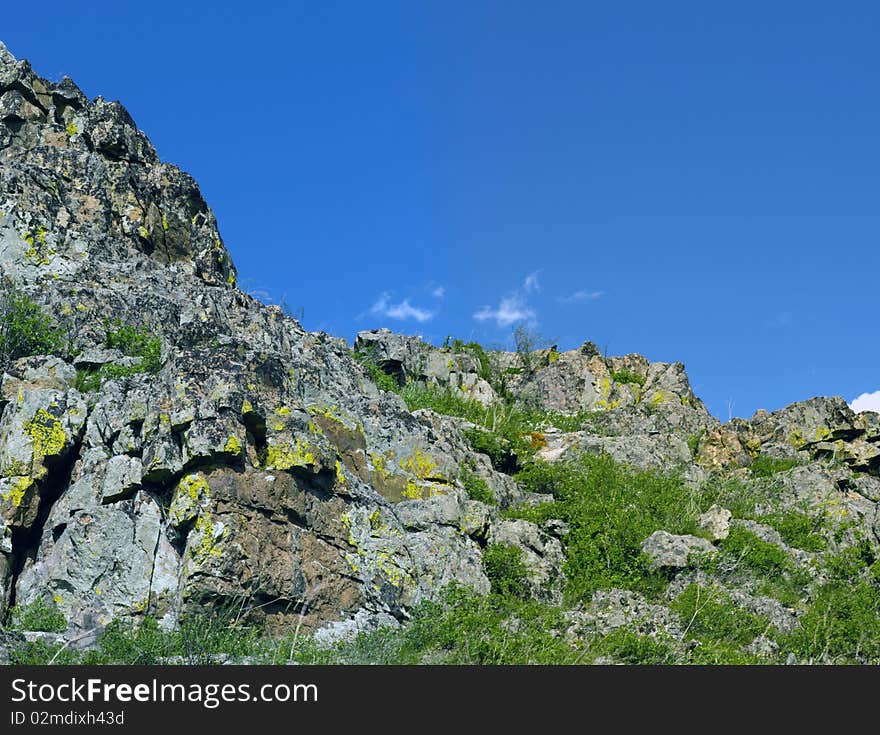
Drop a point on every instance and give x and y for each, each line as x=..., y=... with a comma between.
x=671, y=551
x=259, y=465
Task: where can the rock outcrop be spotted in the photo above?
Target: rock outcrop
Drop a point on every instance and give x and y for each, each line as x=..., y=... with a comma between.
x=258, y=465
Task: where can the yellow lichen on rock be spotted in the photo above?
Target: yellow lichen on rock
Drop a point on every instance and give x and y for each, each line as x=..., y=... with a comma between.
x=47, y=435
x=284, y=456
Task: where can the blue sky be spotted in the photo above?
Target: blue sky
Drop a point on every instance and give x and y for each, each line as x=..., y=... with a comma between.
x=691, y=182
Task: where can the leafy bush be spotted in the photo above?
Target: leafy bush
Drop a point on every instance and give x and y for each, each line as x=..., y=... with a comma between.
x=136, y=342
x=628, y=376
x=527, y=341
x=502, y=452
x=476, y=349
x=507, y=433
x=40, y=653
x=25, y=329
x=761, y=557
x=476, y=487
x=737, y=495
x=773, y=568
x=505, y=569
x=38, y=615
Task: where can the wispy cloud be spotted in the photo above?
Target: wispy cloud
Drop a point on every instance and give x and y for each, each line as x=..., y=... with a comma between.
x=401, y=311
x=438, y=292
x=531, y=283
x=867, y=402
x=581, y=297
x=511, y=310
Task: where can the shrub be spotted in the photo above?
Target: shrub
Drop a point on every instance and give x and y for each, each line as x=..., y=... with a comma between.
x=499, y=450
x=773, y=568
x=476, y=349
x=527, y=341
x=25, y=329
x=628, y=647
x=40, y=653
x=761, y=557
x=136, y=342
x=628, y=376
x=737, y=495
x=197, y=641
x=38, y=615
x=505, y=569
x=506, y=433
x=476, y=487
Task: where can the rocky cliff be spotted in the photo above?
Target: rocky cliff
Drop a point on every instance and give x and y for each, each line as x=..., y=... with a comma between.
x=256, y=464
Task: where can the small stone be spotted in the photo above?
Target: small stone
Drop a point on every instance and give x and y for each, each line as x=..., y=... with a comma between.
x=671, y=551
x=716, y=521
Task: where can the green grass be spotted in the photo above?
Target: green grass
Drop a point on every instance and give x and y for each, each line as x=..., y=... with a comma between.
x=798, y=529
x=461, y=629
x=842, y=623
x=136, y=342
x=764, y=466
x=709, y=615
x=610, y=511
x=506, y=433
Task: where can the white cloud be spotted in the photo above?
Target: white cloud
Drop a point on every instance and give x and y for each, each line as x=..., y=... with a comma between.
x=581, y=297
x=531, y=283
x=438, y=292
x=867, y=402
x=402, y=311
x=511, y=310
